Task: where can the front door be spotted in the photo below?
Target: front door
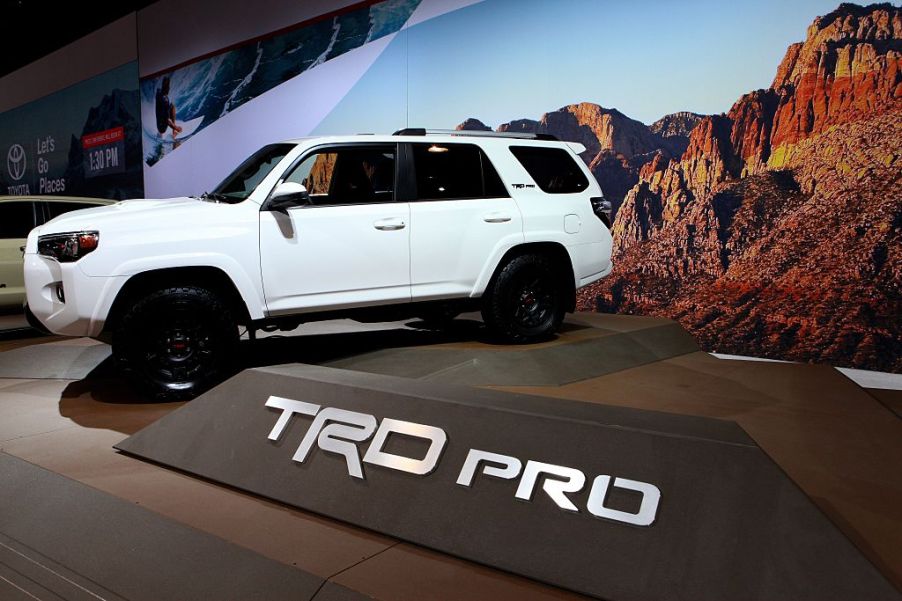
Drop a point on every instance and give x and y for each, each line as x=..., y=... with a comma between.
x=350, y=247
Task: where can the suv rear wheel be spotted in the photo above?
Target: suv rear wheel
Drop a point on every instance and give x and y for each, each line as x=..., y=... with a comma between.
x=176, y=342
x=526, y=302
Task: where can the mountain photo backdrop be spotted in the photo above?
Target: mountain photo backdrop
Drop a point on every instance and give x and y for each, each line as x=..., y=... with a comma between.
x=751, y=150
x=773, y=229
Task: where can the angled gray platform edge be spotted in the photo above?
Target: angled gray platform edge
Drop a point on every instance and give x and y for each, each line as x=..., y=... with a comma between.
x=52, y=360
x=332, y=591
x=60, y=539
x=551, y=365
x=731, y=524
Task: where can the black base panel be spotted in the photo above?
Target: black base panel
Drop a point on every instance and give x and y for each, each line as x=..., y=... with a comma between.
x=60, y=539
x=730, y=525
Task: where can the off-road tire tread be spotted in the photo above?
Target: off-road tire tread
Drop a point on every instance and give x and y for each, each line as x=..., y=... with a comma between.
x=493, y=310
x=122, y=340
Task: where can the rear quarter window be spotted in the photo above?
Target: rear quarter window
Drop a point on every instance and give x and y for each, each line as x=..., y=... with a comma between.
x=554, y=170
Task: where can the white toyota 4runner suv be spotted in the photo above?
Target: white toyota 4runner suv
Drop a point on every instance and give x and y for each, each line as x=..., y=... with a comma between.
x=416, y=224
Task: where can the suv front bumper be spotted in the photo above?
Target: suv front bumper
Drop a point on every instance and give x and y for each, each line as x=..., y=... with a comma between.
x=65, y=300
x=34, y=322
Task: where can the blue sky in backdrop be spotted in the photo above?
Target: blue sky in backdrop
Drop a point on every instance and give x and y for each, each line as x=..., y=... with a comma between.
x=507, y=59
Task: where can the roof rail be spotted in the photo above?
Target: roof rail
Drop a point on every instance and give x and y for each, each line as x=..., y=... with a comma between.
x=422, y=131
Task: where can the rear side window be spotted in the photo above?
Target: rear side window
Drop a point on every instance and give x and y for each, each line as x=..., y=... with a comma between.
x=554, y=170
x=16, y=219
x=455, y=171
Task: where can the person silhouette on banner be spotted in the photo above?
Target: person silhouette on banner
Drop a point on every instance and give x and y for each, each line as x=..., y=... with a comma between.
x=165, y=110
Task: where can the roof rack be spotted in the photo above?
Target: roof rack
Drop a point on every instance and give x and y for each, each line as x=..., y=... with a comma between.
x=422, y=131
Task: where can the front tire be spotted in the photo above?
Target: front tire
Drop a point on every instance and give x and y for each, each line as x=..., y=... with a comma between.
x=176, y=342
x=526, y=301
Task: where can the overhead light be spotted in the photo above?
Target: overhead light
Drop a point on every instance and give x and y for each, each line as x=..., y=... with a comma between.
x=435, y=148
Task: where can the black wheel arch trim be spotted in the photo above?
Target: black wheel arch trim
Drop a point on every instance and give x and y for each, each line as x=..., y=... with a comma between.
x=557, y=253
x=146, y=282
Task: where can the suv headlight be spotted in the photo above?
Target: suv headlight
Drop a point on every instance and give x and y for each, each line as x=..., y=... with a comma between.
x=68, y=247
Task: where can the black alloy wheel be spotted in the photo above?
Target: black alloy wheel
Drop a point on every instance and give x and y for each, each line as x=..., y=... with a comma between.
x=525, y=303
x=177, y=342
x=534, y=303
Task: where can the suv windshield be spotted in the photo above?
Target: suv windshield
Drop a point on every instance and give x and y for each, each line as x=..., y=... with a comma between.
x=239, y=185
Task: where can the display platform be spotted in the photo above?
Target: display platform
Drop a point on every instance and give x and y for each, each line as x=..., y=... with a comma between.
x=834, y=440
x=12, y=324
x=582, y=353
x=840, y=443
x=610, y=502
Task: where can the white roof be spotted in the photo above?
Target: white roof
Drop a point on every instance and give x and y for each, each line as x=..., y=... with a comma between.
x=447, y=138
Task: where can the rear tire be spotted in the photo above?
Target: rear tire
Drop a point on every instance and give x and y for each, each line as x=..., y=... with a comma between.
x=176, y=342
x=526, y=302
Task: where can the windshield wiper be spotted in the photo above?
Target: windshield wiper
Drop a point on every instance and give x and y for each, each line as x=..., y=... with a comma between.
x=215, y=196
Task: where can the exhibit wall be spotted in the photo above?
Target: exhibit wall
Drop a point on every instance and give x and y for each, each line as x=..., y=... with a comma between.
x=751, y=151
x=83, y=140
x=70, y=121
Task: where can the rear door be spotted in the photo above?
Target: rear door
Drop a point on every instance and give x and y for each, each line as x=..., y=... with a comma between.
x=17, y=218
x=460, y=217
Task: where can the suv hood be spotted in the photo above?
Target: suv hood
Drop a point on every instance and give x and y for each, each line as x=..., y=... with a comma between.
x=128, y=212
x=171, y=218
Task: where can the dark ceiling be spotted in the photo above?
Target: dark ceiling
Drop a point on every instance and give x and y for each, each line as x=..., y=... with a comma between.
x=35, y=28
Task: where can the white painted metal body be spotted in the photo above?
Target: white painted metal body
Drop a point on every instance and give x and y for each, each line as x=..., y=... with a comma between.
x=319, y=258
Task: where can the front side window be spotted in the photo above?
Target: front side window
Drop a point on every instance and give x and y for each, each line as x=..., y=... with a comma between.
x=348, y=175
x=245, y=179
x=554, y=170
x=455, y=171
x=16, y=219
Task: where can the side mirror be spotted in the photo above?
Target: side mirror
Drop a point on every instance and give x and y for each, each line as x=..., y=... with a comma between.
x=286, y=195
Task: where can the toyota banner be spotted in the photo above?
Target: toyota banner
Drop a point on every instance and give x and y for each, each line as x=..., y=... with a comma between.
x=83, y=140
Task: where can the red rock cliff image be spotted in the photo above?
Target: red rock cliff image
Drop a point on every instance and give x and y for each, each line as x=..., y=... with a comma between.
x=773, y=230
x=778, y=232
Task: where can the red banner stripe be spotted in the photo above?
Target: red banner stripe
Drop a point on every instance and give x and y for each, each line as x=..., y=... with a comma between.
x=107, y=136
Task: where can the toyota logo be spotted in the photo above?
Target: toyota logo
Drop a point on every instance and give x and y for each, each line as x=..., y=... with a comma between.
x=15, y=161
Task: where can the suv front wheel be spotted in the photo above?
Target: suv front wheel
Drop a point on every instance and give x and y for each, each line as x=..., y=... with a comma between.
x=176, y=342
x=526, y=301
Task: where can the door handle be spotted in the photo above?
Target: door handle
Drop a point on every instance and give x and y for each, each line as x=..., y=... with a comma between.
x=496, y=218
x=389, y=225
